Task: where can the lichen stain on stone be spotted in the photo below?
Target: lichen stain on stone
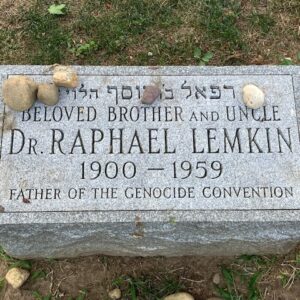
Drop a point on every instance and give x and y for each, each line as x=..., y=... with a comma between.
x=2, y=209
x=153, y=67
x=9, y=122
x=139, y=228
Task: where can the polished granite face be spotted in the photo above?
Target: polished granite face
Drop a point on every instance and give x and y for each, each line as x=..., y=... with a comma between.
x=196, y=160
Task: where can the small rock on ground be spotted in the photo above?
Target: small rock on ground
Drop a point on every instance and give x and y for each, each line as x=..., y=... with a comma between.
x=216, y=279
x=115, y=294
x=19, y=92
x=16, y=277
x=65, y=76
x=179, y=296
x=151, y=93
x=48, y=93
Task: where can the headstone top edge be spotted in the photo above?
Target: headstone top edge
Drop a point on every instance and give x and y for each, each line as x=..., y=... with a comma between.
x=209, y=216
x=158, y=70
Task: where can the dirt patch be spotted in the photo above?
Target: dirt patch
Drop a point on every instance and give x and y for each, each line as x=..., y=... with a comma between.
x=94, y=276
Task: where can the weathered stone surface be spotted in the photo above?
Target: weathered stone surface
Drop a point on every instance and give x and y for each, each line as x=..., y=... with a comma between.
x=16, y=277
x=179, y=296
x=19, y=92
x=178, y=184
x=48, y=94
x=65, y=76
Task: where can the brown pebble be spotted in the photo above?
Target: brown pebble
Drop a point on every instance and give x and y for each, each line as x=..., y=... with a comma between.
x=48, y=93
x=19, y=92
x=151, y=93
x=65, y=76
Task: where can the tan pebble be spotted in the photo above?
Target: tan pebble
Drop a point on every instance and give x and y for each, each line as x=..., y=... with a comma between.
x=253, y=96
x=65, y=76
x=19, y=92
x=48, y=93
x=16, y=277
x=151, y=93
x=216, y=279
x=179, y=296
x=115, y=294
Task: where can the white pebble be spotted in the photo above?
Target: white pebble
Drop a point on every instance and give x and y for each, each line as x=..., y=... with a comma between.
x=216, y=279
x=16, y=277
x=115, y=294
x=253, y=96
x=179, y=296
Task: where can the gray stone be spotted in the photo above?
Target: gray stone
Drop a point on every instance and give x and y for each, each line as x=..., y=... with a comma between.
x=178, y=184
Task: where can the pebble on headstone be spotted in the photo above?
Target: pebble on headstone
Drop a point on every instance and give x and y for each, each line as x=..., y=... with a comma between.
x=65, y=76
x=179, y=296
x=115, y=294
x=151, y=93
x=48, y=93
x=19, y=92
x=253, y=96
x=16, y=277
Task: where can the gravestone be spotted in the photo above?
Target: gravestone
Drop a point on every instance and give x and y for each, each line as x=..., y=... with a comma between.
x=194, y=173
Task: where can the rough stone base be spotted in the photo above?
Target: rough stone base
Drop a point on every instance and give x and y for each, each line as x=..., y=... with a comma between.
x=149, y=238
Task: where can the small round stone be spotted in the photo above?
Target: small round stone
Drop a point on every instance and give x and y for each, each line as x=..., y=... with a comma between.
x=115, y=294
x=253, y=96
x=16, y=277
x=19, y=92
x=216, y=279
x=65, y=76
x=179, y=296
x=151, y=93
x=48, y=93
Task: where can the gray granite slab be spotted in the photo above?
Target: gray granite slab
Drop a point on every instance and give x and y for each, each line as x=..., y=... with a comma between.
x=187, y=177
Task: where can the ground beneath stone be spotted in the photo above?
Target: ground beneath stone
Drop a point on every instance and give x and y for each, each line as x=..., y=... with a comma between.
x=151, y=278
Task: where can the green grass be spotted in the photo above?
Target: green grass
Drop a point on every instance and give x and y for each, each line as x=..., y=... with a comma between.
x=264, y=21
x=13, y=262
x=48, y=38
x=242, y=278
x=114, y=32
x=221, y=22
x=147, y=288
